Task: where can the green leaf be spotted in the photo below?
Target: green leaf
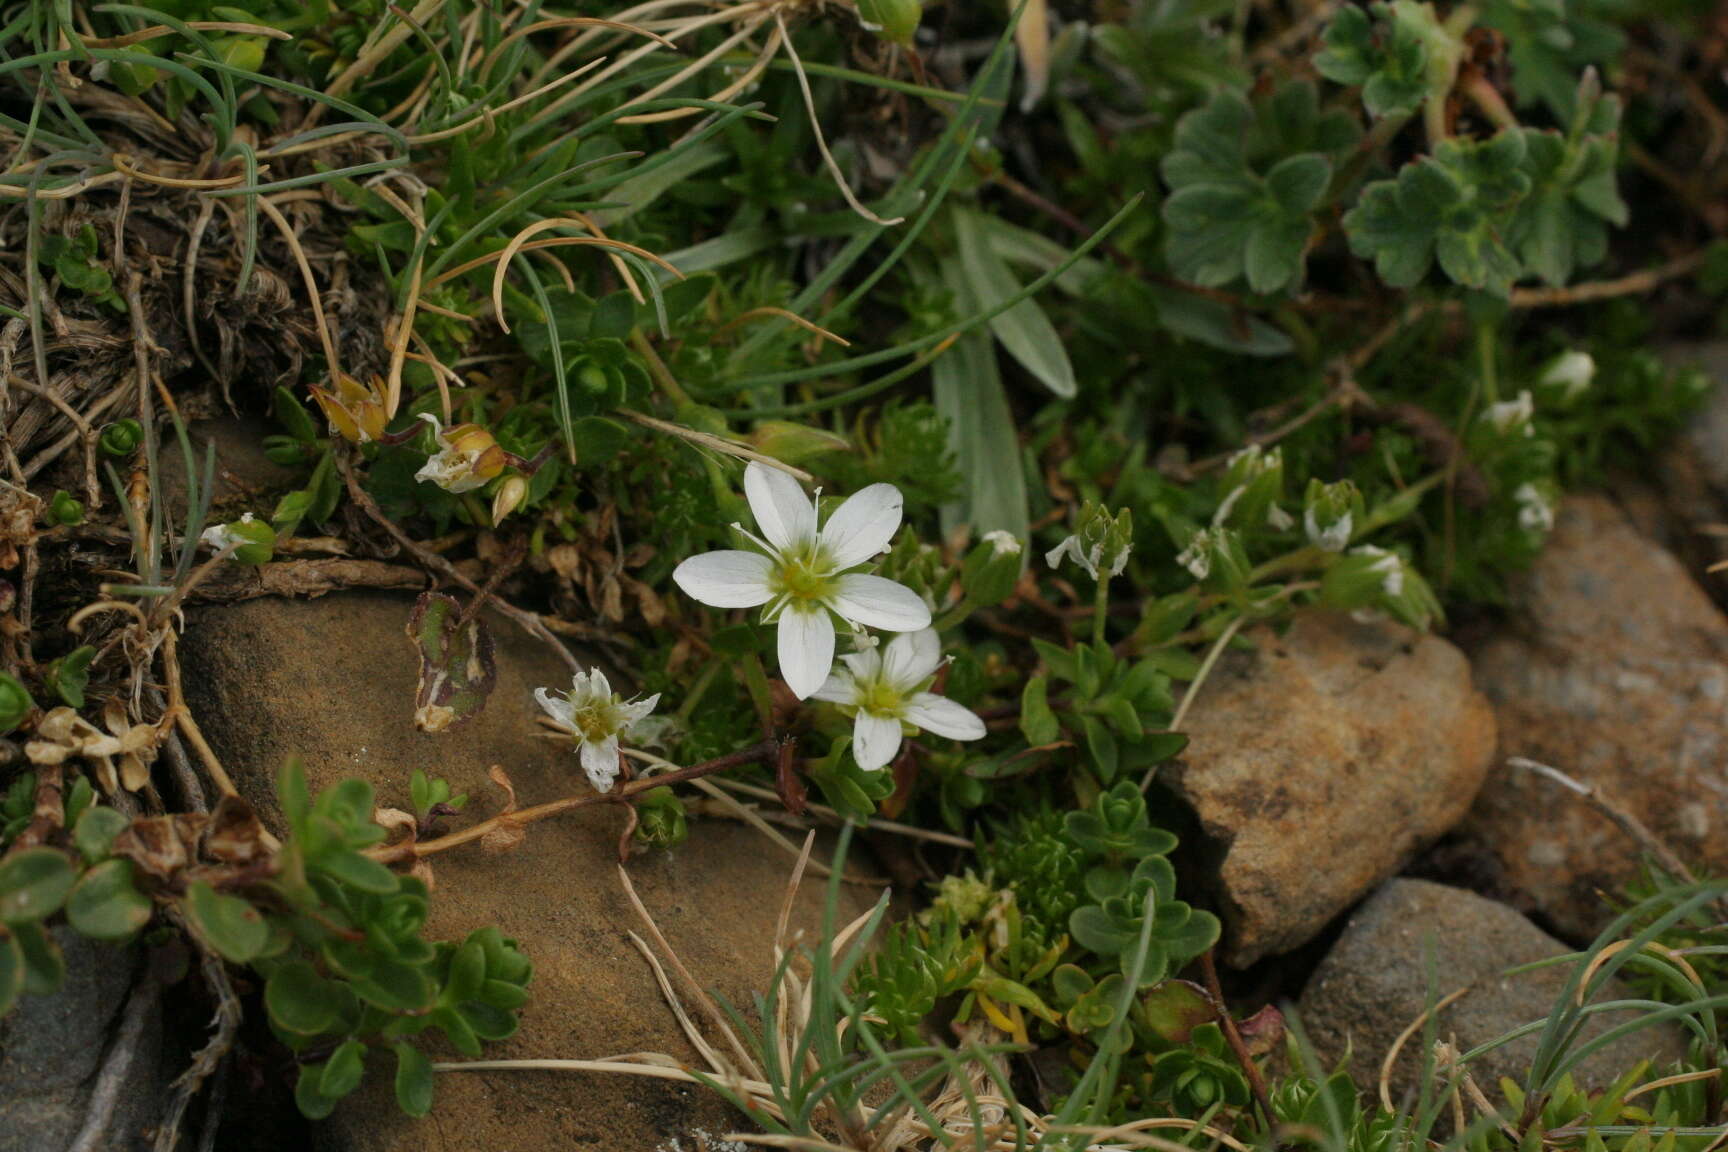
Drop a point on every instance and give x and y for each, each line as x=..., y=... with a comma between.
x=308, y=1097
x=1237, y=210
x=358, y=871
x=1037, y=722
x=301, y=1001
x=11, y=973
x=1024, y=330
x=413, y=1080
x=614, y=316
x=105, y=904
x=457, y=669
x=1385, y=56
x=344, y=1070
x=1562, y=225
x=598, y=440
x=967, y=385
x=33, y=884
x=1455, y=206
x=229, y=925
x=68, y=676
x=44, y=966
x=93, y=834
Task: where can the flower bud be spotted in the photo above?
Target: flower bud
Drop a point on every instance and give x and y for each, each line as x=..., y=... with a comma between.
x=1252, y=485
x=1371, y=578
x=65, y=509
x=1215, y=557
x=468, y=456
x=122, y=437
x=254, y=540
x=660, y=820
x=893, y=20
x=508, y=498
x=794, y=443
x=15, y=702
x=1569, y=374
x=1330, y=513
x=355, y=410
x=992, y=569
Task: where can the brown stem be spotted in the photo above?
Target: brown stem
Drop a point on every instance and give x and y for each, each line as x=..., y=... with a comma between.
x=761, y=752
x=436, y=563
x=1256, y=1082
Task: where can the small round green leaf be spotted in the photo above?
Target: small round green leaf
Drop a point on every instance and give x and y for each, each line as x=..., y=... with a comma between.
x=231, y=926
x=95, y=831
x=344, y=1070
x=301, y=1001
x=33, y=884
x=413, y=1080
x=44, y=967
x=104, y=905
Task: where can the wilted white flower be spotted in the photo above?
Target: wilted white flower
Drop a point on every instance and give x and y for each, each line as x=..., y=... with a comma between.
x=596, y=716
x=467, y=457
x=1571, y=372
x=1002, y=542
x=1511, y=414
x=1333, y=536
x=1387, y=566
x=802, y=574
x=1535, y=514
x=220, y=536
x=887, y=690
x=1197, y=557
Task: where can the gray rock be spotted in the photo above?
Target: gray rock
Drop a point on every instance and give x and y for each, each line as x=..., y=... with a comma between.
x=52, y=1047
x=1319, y=763
x=1374, y=984
x=1615, y=670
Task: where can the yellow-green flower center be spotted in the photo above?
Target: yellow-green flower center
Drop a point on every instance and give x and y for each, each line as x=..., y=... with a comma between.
x=880, y=697
x=806, y=576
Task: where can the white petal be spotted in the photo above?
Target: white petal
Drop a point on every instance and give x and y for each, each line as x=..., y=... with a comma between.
x=943, y=717
x=785, y=515
x=911, y=657
x=600, y=761
x=556, y=707
x=863, y=526
x=726, y=579
x=806, y=649
x=635, y=710
x=875, y=740
x=839, y=688
x=598, y=686
x=876, y=602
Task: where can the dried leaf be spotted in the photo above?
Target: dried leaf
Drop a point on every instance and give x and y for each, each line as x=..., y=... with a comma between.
x=508, y=834
x=457, y=671
x=235, y=835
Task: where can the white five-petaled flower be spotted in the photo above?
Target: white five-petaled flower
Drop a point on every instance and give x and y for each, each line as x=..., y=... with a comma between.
x=888, y=689
x=804, y=575
x=596, y=717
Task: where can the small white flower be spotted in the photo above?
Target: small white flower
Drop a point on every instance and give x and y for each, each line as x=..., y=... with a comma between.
x=1571, y=372
x=1389, y=567
x=220, y=536
x=1277, y=519
x=1512, y=414
x=1003, y=543
x=1197, y=557
x=888, y=690
x=1331, y=538
x=1091, y=559
x=1535, y=514
x=595, y=715
x=802, y=574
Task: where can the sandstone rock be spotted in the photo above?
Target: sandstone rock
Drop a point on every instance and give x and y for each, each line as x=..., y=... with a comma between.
x=51, y=1048
x=332, y=680
x=1615, y=670
x=1320, y=763
x=1374, y=983
x=246, y=479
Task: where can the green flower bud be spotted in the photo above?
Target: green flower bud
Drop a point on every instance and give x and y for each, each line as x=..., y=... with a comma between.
x=660, y=821
x=893, y=20
x=1102, y=542
x=992, y=569
x=1252, y=485
x=122, y=437
x=255, y=540
x=795, y=443
x=64, y=508
x=1330, y=514
x=15, y=702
